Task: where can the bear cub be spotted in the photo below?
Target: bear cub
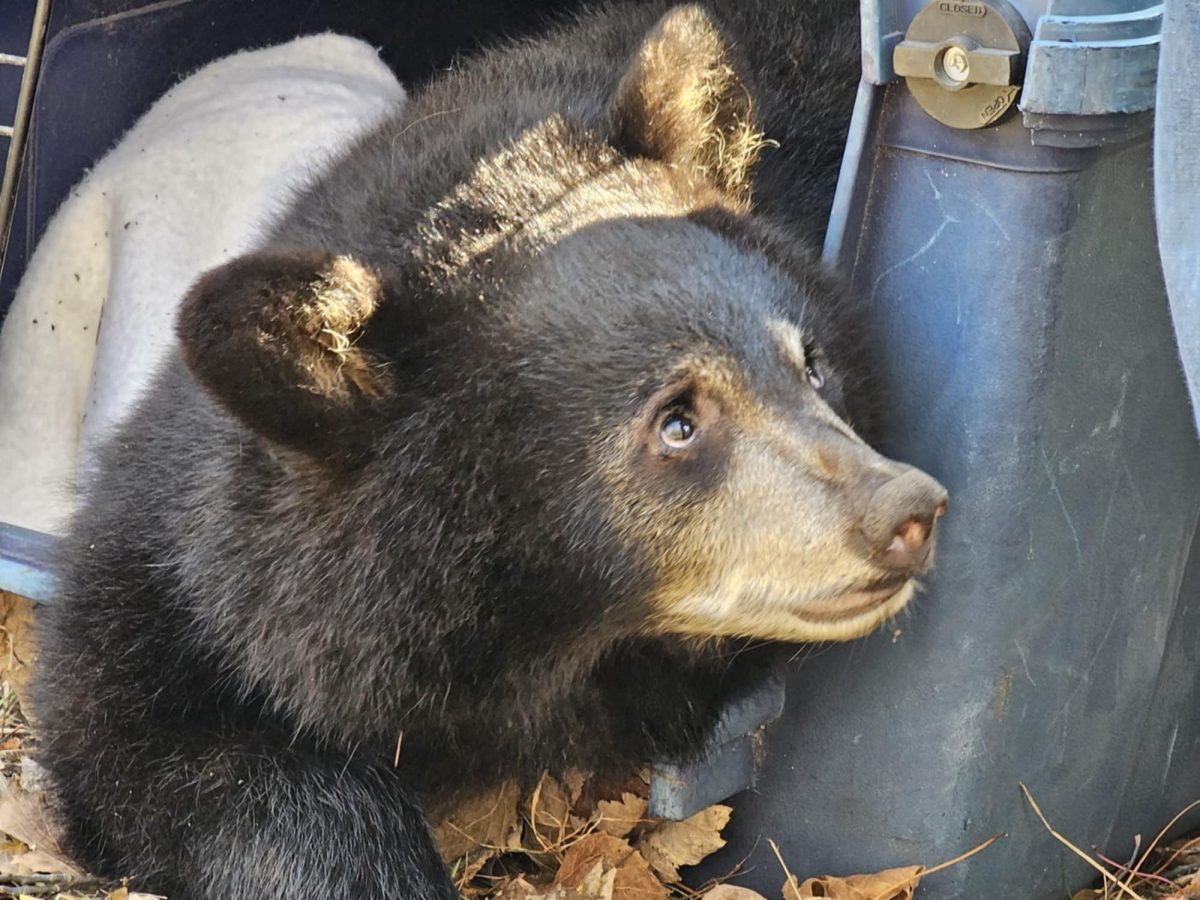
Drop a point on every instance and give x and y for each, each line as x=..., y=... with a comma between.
x=535, y=408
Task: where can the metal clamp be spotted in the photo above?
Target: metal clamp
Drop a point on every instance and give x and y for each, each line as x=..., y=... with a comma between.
x=962, y=60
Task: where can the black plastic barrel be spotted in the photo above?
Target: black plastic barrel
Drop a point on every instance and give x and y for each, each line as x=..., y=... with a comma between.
x=1033, y=369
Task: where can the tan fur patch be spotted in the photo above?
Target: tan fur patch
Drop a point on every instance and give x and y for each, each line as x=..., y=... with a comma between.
x=767, y=554
x=340, y=303
x=560, y=188
x=683, y=101
x=790, y=341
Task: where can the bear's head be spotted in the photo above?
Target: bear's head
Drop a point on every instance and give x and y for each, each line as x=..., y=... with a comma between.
x=590, y=372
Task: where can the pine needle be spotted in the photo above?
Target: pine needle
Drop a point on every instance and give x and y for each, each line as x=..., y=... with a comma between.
x=963, y=856
x=1108, y=877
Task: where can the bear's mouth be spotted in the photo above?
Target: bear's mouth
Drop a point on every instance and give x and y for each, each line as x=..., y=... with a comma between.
x=852, y=604
x=764, y=608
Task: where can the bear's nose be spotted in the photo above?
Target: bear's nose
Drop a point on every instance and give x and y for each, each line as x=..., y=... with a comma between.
x=899, y=522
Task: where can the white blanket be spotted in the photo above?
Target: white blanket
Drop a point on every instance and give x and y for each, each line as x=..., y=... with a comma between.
x=196, y=181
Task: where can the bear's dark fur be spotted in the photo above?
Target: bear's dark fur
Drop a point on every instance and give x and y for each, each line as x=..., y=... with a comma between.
x=528, y=413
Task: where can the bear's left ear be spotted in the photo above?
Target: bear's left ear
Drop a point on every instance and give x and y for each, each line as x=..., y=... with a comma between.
x=276, y=338
x=682, y=101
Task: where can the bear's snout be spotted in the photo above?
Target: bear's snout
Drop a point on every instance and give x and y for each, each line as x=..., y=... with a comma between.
x=900, y=521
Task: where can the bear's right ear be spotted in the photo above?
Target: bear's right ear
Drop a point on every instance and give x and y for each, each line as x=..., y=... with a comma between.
x=275, y=336
x=683, y=101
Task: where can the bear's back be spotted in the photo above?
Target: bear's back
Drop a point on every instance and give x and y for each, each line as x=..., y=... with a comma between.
x=801, y=65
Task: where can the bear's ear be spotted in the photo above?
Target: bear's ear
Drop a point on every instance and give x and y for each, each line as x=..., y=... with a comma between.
x=682, y=101
x=276, y=338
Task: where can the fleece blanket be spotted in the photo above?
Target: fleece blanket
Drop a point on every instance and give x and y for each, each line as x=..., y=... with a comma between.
x=197, y=180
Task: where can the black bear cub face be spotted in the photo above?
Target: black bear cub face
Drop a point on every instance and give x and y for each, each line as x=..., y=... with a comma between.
x=670, y=375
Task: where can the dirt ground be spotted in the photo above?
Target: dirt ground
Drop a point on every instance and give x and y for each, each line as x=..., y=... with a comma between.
x=573, y=838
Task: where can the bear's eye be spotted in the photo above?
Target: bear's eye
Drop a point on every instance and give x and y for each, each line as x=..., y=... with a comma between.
x=815, y=374
x=813, y=370
x=677, y=430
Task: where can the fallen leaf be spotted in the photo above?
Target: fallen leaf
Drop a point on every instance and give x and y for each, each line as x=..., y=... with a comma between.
x=24, y=818
x=731, y=892
x=574, y=780
x=619, y=817
x=635, y=881
x=600, y=882
x=18, y=644
x=472, y=865
x=890, y=884
x=480, y=826
x=586, y=852
x=631, y=875
x=674, y=844
x=520, y=889
x=516, y=888
x=607, y=787
x=550, y=812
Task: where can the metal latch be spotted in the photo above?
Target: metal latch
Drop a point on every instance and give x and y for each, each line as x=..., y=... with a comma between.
x=963, y=61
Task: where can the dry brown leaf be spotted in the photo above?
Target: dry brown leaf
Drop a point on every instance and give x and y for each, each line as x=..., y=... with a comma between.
x=516, y=889
x=600, y=882
x=574, y=780
x=520, y=889
x=619, y=817
x=33, y=862
x=470, y=868
x=631, y=876
x=119, y=894
x=480, y=826
x=550, y=812
x=731, y=892
x=608, y=787
x=586, y=852
x=24, y=818
x=635, y=881
x=674, y=844
x=18, y=645
x=890, y=884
